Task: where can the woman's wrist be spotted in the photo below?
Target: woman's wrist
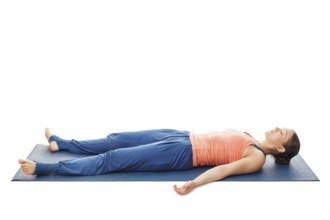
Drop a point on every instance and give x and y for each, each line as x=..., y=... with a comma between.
x=194, y=183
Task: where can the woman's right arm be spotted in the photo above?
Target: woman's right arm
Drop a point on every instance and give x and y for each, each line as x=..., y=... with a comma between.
x=245, y=165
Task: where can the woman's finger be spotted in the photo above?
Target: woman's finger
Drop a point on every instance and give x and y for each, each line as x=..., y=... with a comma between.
x=177, y=190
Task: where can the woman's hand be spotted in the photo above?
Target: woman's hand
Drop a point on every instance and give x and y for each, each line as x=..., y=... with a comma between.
x=185, y=189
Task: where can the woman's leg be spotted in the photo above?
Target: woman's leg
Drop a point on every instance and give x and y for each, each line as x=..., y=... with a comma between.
x=114, y=141
x=91, y=147
x=172, y=154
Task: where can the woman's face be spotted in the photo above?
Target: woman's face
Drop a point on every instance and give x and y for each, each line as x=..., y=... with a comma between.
x=279, y=136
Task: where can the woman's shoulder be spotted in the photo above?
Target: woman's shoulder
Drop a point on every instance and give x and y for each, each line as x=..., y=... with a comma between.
x=253, y=152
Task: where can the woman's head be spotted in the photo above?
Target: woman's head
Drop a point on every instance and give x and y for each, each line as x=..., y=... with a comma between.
x=285, y=142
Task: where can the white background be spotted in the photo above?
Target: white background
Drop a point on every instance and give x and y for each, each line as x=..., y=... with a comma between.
x=89, y=68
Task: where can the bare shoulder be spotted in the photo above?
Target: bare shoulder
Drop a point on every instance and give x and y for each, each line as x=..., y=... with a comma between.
x=252, y=161
x=255, y=154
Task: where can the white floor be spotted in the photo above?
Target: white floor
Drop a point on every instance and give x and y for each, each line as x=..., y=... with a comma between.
x=88, y=69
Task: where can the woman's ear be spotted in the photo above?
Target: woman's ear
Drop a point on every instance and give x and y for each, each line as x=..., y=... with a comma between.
x=280, y=148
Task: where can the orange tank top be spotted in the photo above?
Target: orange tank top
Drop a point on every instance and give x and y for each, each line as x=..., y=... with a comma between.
x=218, y=148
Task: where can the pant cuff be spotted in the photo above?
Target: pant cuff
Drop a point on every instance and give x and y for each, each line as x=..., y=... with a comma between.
x=58, y=140
x=46, y=168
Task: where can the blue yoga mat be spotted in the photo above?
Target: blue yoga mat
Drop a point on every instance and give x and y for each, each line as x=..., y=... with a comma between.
x=298, y=170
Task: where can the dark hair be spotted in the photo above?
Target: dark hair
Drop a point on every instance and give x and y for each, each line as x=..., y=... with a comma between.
x=292, y=147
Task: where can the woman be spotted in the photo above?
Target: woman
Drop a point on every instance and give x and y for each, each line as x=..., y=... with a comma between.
x=231, y=152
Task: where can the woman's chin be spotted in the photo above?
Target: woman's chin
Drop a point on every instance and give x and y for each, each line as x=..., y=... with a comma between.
x=267, y=133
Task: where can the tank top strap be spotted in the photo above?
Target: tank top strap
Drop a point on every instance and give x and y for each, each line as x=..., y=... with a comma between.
x=259, y=148
x=256, y=146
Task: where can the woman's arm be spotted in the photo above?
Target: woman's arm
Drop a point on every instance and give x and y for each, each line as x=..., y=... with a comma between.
x=245, y=165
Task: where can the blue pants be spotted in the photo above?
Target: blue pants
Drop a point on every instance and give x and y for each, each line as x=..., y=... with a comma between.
x=150, y=150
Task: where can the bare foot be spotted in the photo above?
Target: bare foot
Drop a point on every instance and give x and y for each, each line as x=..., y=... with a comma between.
x=27, y=166
x=52, y=145
x=48, y=134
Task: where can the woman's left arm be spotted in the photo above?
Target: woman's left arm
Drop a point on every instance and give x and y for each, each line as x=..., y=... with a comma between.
x=245, y=165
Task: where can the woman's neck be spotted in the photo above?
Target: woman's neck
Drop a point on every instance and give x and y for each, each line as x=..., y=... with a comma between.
x=267, y=147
